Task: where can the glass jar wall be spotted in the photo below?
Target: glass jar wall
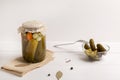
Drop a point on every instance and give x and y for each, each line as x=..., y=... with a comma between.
x=33, y=41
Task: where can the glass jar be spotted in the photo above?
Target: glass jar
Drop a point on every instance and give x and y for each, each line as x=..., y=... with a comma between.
x=33, y=41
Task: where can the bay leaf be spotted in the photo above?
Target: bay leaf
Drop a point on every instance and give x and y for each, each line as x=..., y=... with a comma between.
x=59, y=75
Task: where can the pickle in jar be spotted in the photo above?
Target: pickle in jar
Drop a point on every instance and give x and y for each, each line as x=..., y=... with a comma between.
x=31, y=49
x=33, y=44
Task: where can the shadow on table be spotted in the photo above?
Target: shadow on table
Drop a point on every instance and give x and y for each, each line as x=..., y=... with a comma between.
x=81, y=54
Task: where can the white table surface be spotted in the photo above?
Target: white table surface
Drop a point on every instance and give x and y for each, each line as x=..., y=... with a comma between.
x=108, y=68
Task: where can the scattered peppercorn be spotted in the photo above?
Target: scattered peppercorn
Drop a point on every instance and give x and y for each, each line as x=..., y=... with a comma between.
x=71, y=68
x=48, y=74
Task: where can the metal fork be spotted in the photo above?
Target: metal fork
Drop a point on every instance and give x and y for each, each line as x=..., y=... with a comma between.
x=83, y=41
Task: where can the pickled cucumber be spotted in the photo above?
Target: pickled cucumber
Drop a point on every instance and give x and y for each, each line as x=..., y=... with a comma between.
x=100, y=48
x=92, y=44
x=91, y=54
x=30, y=50
x=34, y=50
x=24, y=44
x=41, y=50
x=86, y=46
x=33, y=41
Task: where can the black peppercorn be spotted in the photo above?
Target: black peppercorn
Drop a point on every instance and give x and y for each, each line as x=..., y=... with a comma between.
x=71, y=68
x=48, y=74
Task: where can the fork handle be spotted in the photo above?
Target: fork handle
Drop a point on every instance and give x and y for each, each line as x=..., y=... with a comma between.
x=83, y=41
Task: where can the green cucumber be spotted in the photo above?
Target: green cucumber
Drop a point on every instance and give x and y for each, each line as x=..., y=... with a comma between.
x=31, y=49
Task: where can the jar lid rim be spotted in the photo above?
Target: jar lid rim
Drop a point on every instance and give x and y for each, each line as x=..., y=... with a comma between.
x=34, y=24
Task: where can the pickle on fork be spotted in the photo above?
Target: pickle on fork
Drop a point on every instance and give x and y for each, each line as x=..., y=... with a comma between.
x=92, y=44
x=100, y=48
x=86, y=46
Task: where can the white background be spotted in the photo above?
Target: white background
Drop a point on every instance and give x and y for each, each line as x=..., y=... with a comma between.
x=66, y=20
